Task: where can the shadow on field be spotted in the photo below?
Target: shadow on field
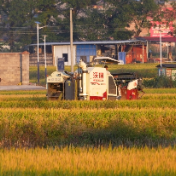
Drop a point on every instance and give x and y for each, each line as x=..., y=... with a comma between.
x=117, y=133
x=120, y=136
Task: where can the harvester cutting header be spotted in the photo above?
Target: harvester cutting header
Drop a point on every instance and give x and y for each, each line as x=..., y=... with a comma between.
x=92, y=83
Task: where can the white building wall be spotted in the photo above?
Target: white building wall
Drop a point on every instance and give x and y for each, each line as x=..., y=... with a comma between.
x=64, y=49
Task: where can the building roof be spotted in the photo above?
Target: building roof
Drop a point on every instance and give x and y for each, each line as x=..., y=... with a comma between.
x=168, y=65
x=157, y=39
x=109, y=42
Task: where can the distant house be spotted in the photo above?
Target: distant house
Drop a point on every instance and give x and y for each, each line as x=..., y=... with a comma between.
x=134, y=51
x=168, y=70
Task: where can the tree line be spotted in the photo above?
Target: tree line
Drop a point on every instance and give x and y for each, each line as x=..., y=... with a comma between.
x=92, y=20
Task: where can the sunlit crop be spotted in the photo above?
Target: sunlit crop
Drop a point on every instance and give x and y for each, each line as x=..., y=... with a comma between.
x=88, y=161
x=41, y=137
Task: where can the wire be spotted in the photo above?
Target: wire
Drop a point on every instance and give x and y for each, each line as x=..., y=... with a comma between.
x=77, y=25
x=61, y=32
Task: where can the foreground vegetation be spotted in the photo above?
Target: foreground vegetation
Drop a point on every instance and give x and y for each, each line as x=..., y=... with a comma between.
x=128, y=127
x=71, y=160
x=40, y=137
x=30, y=120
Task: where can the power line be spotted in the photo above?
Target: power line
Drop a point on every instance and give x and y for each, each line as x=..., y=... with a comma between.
x=64, y=31
x=77, y=25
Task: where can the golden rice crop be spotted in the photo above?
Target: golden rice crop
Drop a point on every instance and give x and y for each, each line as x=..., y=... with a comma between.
x=40, y=102
x=89, y=161
x=28, y=121
x=42, y=127
x=150, y=96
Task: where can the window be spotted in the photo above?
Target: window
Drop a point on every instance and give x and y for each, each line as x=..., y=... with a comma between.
x=65, y=56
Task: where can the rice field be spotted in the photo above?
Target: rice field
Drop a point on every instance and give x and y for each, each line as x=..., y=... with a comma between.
x=40, y=137
x=88, y=161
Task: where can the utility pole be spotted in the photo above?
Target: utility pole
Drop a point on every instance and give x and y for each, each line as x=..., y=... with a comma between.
x=160, y=50
x=45, y=55
x=38, y=69
x=142, y=52
x=38, y=63
x=71, y=40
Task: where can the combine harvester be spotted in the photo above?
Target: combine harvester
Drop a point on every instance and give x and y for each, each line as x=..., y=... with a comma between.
x=92, y=83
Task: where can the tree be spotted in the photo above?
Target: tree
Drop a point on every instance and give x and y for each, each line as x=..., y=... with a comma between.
x=118, y=19
x=91, y=26
x=19, y=29
x=126, y=13
x=15, y=13
x=111, y=22
x=169, y=16
x=94, y=24
x=142, y=12
x=79, y=14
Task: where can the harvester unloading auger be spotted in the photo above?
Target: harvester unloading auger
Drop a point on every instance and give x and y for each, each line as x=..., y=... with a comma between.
x=92, y=83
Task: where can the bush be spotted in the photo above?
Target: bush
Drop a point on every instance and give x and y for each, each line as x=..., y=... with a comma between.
x=159, y=82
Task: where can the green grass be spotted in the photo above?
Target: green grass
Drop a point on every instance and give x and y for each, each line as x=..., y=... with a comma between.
x=160, y=90
x=146, y=70
x=50, y=69
x=23, y=92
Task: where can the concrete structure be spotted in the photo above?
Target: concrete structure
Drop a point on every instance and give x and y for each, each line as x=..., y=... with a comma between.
x=14, y=68
x=63, y=51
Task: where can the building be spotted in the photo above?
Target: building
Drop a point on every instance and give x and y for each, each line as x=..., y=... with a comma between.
x=168, y=70
x=134, y=51
x=14, y=68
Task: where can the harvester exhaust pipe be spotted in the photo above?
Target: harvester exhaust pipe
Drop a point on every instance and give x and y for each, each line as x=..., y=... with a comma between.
x=82, y=83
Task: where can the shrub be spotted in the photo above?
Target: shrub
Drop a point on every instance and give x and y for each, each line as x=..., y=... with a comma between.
x=159, y=82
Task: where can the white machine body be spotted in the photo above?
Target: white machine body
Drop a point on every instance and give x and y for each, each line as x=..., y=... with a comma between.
x=90, y=83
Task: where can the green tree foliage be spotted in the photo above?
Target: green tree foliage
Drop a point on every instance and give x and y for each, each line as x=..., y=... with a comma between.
x=81, y=16
x=141, y=13
x=19, y=28
x=111, y=21
x=131, y=12
x=15, y=17
x=93, y=26
x=78, y=6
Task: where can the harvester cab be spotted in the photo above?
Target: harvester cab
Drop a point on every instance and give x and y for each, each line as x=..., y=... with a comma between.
x=92, y=83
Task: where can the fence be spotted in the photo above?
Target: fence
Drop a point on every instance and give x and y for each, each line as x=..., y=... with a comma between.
x=33, y=59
